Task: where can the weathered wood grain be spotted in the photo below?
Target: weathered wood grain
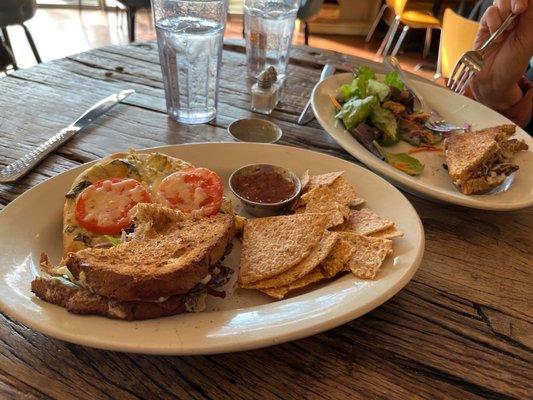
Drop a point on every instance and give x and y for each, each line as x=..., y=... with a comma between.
x=462, y=329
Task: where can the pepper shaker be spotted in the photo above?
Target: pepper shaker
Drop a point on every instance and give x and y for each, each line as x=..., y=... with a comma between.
x=265, y=91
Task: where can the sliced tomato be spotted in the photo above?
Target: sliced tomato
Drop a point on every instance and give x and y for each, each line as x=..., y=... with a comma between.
x=103, y=206
x=196, y=190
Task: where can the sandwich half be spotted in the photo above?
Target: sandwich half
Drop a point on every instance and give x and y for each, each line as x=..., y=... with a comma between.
x=480, y=161
x=161, y=268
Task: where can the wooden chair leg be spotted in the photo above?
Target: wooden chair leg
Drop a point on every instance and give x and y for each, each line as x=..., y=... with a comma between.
x=32, y=44
x=7, y=42
x=130, y=14
x=306, y=33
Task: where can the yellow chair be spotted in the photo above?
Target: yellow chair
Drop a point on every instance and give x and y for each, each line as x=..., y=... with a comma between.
x=411, y=19
x=457, y=37
x=390, y=4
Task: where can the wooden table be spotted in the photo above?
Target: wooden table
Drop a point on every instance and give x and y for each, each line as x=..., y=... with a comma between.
x=461, y=329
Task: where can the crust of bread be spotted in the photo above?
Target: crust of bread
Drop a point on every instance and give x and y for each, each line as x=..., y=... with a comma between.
x=80, y=301
x=169, y=256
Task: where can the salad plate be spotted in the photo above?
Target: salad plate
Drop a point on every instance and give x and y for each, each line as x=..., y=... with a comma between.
x=434, y=181
x=245, y=319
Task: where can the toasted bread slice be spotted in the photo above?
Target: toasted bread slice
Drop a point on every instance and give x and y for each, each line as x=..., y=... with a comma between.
x=81, y=301
x=480, y=161
x=467, y=152
x=168, y=254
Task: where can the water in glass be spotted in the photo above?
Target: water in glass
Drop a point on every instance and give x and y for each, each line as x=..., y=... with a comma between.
x=190, y=51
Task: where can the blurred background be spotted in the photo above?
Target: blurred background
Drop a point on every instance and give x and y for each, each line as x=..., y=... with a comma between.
x=62, y=27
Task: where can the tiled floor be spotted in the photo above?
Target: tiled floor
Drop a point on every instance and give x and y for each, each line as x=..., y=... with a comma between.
x=60, y=32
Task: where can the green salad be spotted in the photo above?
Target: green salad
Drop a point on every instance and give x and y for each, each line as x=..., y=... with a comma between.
x=380, y=114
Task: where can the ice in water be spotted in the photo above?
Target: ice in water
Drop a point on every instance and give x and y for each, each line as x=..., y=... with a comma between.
x=190, y=50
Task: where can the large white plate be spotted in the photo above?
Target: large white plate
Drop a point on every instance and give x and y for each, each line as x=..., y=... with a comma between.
x=434, y=182
x=248, y=319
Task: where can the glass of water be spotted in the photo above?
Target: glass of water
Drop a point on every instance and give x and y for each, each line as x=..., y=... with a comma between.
x=189, y=36
x=268, y=26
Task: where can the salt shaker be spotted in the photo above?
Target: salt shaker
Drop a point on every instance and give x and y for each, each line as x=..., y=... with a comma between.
x=265, y=91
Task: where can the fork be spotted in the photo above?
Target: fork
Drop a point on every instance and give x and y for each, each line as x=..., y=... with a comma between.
x=442, y=126
x=471, y=62
x=393, y=64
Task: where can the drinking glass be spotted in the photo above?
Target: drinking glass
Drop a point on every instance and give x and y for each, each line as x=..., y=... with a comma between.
x=269, y=25
x=189, y=37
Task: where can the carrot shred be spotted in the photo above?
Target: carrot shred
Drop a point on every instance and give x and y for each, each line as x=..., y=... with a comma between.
x=424, y=148
x=335, y=102
x=400, y=165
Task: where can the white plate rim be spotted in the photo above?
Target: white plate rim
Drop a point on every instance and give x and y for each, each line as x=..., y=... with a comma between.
x=405, y=181
x=317, y=327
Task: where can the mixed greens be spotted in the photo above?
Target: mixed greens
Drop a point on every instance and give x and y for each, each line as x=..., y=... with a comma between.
x=380, y=114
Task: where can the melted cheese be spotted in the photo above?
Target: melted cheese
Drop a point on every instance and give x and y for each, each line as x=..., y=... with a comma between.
x=174, y=190
x=108, y=203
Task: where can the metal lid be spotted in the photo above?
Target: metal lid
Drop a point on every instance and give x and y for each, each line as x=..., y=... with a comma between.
x=267, y=77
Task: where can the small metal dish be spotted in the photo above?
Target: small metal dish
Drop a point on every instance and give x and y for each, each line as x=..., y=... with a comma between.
x=255, y=130
x=265, y=209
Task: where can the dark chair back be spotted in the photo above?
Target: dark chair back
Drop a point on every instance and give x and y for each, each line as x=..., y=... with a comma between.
x=308, y=9
x=16, y=12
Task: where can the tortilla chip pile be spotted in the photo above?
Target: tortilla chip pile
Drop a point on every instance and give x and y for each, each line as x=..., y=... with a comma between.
x=326, y=235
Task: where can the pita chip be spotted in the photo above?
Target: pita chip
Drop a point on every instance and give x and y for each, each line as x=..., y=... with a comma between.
x=336, y=260
x=368, y=256
x=273, y=245
x=364, y=222
x=305, y=179
x=357, y=202
x=324, y=179
x=345, y=192
x=280, y=292
x=323, y=200
x=317, y=255
x=389, y=233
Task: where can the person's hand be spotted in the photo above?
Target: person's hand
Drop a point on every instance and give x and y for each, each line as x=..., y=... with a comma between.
x=496, y=85
x=521, y=112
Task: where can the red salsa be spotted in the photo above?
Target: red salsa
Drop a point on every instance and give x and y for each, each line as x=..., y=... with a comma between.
x=265, y=185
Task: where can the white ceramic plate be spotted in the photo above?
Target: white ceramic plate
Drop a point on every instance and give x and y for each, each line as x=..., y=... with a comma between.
x=434, y=182
x=247, y=319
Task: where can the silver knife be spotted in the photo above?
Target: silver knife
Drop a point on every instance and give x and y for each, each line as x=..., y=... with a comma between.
x=26, y=163
x=306, y=116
